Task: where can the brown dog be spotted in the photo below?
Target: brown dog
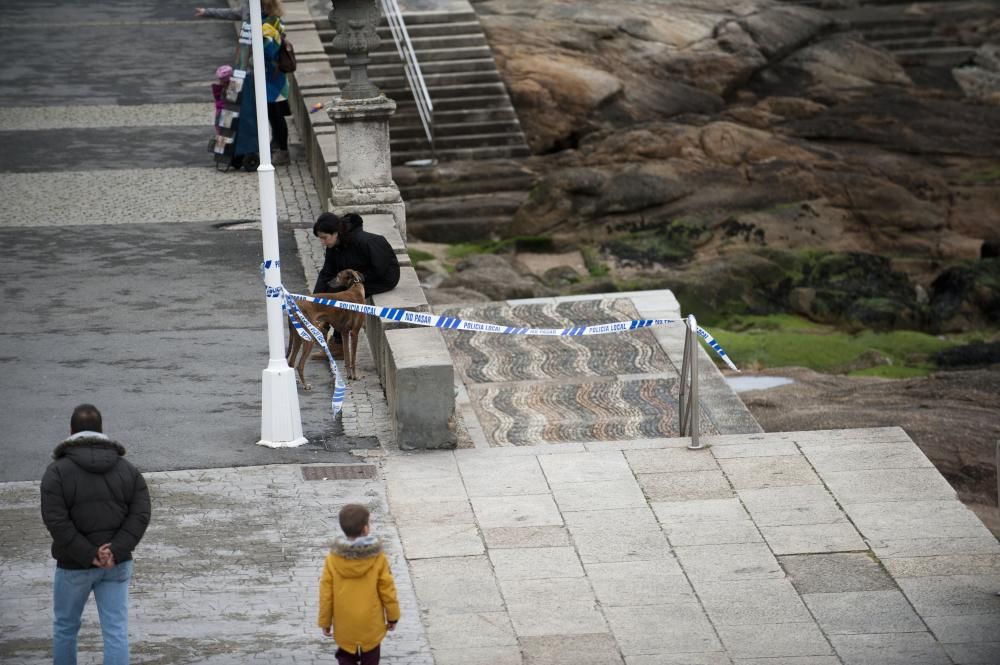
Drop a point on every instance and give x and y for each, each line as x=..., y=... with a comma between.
x=344, y=321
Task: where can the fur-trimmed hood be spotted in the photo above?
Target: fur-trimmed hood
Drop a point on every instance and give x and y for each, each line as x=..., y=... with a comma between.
x=353, y=558
x=91, y=451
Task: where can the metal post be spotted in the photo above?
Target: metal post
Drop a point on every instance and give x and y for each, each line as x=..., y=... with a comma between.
x=996, y=467
x=280, y=420
x=693, y=408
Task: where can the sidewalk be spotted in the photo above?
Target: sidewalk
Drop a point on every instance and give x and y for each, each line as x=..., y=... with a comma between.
x=801, y=548
x=227, y=573
x=810, y=548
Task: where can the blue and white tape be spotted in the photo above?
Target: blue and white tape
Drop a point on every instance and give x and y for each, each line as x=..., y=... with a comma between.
x=449, y=323
x=307, y=331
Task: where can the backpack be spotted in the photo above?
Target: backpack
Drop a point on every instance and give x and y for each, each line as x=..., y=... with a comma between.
x=286, y=56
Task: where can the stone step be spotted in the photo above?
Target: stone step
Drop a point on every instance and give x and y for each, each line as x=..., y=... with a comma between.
x=450, y=207
x=426, y=68
x=387, y=56
x=454, y=230
x=415, y=19
x=922, y=44
x=416, y=31
x=939, y=57
x=450, y=92
x=397, y=85
x=430, y=42
x=522, y=182
x=496, y=99
x=876, y=35
x=458, y=141
x=442, y=130
x=462, y=116
x=437, y=17
x=466, y=154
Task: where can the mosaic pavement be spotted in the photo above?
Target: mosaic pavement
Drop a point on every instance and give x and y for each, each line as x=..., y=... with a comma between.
x=529, y=390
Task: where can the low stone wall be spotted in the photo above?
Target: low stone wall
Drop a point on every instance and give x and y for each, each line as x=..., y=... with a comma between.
x=421, y=418
x=420, y=389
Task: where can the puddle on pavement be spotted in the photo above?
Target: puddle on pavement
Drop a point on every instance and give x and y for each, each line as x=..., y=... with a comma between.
x=744, y=383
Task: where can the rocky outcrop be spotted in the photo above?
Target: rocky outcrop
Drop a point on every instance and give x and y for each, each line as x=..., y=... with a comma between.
x=573, y=67
x=980, y=80
x=675, y=137
x=494, y=277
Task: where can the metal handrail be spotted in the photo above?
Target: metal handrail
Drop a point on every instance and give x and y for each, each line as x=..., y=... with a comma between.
x=414, y=77
x=689, y=411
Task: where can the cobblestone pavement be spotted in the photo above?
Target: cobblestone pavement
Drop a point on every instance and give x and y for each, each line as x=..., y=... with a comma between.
x=227, y=573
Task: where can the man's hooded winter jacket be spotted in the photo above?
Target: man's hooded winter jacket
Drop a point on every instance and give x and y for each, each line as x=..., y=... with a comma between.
x=91, y=495
x=357, y=595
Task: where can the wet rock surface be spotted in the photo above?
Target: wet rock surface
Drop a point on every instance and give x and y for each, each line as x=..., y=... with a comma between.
x=951, y=415
x=674, y=139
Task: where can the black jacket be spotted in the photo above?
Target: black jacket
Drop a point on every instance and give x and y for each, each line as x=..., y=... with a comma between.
x=90, y=496
x=368, y=253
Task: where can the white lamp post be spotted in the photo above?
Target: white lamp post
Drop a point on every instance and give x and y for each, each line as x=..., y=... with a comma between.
x=280, y=420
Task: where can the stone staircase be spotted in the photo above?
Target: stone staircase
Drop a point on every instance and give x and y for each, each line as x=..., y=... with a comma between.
x=463, y=201
x=918, y=37
x=473, y=116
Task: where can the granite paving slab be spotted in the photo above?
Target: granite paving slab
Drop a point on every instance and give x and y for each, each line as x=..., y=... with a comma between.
x=737, y=603
x=685, y=485
x=33, y=118
x=675, y=578
x=774, y=640
x=861, y=612
x=117, y=197
x=662, y=629
x=890, y=649
x=597, y=649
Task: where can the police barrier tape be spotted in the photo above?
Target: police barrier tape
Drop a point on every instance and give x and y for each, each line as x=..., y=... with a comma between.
x=307, y=331
x=449, y=323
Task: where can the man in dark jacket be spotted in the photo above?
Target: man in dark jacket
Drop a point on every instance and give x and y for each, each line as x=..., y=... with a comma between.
x=95, y=505
x=349, y=246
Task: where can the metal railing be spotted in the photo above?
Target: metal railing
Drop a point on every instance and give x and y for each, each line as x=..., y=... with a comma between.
x=689, y=412
x=414, y=77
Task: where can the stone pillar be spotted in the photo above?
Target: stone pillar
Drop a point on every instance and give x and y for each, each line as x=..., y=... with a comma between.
x=361, y=114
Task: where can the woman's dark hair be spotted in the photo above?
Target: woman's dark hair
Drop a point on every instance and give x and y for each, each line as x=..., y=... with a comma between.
x=347, y=225
x=326, y=223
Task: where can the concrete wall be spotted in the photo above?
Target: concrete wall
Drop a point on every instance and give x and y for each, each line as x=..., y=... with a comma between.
x=405, y=356
x=419, y=387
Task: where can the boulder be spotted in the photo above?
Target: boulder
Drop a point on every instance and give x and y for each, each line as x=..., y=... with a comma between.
x=845, y=62
x=967, y=296
x=557, y=94
x=494, y=277
x=778, y=30
x=454, y=296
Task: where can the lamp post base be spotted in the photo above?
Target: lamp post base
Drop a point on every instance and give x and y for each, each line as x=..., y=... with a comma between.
x=280, y=422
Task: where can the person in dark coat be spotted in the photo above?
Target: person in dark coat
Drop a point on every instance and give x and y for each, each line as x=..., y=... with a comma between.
x=349, y=246
x=95, y=505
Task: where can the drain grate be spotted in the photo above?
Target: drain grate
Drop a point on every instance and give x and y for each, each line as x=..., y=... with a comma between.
x=339, y=472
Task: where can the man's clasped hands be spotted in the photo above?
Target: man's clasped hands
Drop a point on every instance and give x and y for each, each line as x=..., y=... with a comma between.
x=105, y=558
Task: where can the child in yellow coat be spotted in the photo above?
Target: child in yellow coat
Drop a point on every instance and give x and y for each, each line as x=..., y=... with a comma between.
x=357, y=595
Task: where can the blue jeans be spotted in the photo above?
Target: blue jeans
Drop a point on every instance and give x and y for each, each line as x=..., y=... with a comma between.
x=69, y=595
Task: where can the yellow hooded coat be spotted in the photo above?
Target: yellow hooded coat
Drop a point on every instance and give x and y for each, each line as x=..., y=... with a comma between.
x=357, y=595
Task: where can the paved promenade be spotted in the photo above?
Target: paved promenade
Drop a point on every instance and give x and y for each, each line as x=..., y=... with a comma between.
x=806, y=548
x=227, y=574
x=816, y=548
